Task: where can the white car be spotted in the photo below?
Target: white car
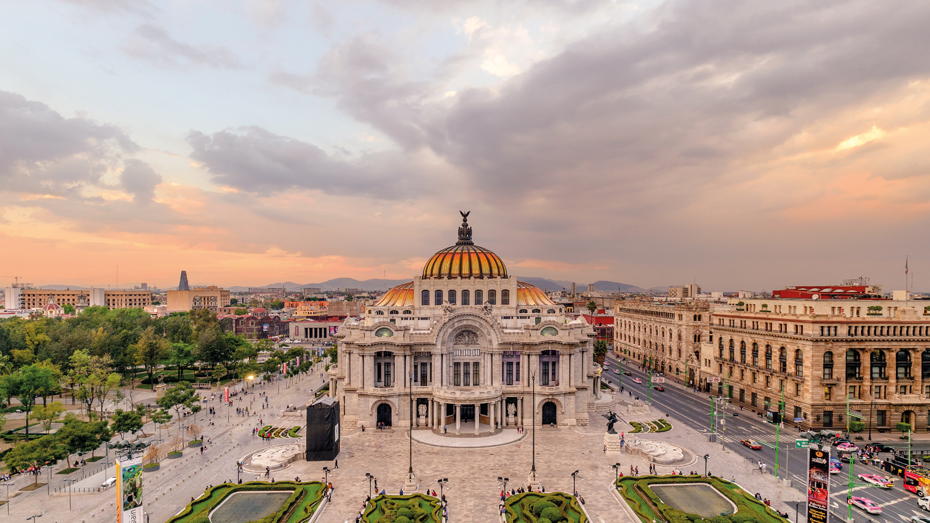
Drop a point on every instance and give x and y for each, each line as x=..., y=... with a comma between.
x=924, y=503
x=108, y=483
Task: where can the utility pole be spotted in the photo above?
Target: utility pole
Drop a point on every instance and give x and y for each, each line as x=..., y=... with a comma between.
x=781, y=407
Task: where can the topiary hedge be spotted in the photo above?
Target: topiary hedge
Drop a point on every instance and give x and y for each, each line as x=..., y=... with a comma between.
x=413, y=508
x=306, y=495
x=534, y=507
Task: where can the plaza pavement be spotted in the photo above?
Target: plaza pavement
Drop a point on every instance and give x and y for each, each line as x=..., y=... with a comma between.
x=473, y=492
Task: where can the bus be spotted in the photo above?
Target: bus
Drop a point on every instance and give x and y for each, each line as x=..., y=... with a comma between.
x=917, y=480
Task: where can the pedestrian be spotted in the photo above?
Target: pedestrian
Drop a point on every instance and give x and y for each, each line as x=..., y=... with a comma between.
x=336, y=464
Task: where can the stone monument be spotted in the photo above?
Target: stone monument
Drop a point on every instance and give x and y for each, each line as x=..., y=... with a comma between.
x=421, y=419
x=511, y=414
x=611, y=438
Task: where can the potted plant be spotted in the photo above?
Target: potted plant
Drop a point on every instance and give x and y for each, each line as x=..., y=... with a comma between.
x=151, y=467
x=195, y=443
x=175, y=454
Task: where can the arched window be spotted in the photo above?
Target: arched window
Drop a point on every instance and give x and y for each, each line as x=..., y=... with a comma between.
x=783, y=360
x=720, y=345
x=466, y=297
x=878, y=364
x=903, y=365
x=505, y=297
x=768, y=357
x=424, y=298
x=742, y=352
x=798, y=363
x=451, y=295
x=479, y=298
x=925, y=364
x=755, y=354
x=492, y=297
x=379, y=313
x=732, y=351
x=853, y=365
x=828, y=365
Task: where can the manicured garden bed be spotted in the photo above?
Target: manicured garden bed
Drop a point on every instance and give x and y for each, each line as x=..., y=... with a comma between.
x=278, y=432
x=299, y=507
x=550, y=507
x=413, y=508
x=649, y=507
x=659, y=425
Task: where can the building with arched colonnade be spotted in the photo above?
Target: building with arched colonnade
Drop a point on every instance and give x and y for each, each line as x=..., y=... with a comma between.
x=468, y=342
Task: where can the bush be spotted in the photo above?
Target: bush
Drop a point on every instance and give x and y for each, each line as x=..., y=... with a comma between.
x=552, y=514
x=542, y=505
x=402, y=519
x=405, y=512
x=856, y=426
x=903, y=427
x=543, y=520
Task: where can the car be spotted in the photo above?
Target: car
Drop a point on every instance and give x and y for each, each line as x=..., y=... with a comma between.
x=627, y=373
x=659, y=388
x=637, y=380
x=920, y=519
x=847, y=447
x=924, y=503
x=865, y=504
x=606, y=363
x=876, y=480
x=835, y=466
x=617, y=372
x=108, y=483
x=881, y=447
x=754, y=445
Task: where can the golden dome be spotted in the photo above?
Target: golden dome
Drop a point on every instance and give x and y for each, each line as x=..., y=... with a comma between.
x=531, y=295
x=464, y=259
x=400, y=296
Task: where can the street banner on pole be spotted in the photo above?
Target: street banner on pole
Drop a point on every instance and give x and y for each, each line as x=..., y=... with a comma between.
x=226, y=394
x=129, y=491
x=818, y=484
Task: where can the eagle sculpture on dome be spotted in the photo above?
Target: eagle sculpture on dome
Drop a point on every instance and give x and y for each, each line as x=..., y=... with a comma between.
x=464, y=230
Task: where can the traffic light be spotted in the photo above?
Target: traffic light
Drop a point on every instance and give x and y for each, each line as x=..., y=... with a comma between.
x=776, y=417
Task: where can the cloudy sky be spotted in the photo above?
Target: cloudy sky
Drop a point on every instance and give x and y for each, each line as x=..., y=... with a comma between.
x=737, y=144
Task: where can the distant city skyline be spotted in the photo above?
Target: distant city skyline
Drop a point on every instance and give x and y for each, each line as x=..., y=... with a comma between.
x=736, y=145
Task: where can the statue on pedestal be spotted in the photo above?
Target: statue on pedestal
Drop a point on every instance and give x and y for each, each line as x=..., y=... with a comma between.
x=611, y=420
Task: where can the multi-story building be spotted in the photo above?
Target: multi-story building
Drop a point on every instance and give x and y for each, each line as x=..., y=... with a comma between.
x=687, y=291
x=211, y=298
x=26, y=298
x=603, y=323
x=470, y=344
x=665, y=337
x=818, y=354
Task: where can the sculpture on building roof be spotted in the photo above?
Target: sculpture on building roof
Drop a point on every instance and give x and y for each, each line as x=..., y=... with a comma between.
x=464, y=230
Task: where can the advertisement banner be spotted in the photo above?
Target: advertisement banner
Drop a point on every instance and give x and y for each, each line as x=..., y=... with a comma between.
x=818, y=484
x=129, y=491
x=226, y=394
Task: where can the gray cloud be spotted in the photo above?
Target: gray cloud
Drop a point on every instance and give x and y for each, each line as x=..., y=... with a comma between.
x=43, y=152
x=257, y=161
x=154, y=44
x=139, y=179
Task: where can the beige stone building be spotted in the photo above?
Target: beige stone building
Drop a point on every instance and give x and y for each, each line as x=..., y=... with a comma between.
x=663, y=336
x=819, y=351
x=211, y=298
x=20, y=298
x=470, y=343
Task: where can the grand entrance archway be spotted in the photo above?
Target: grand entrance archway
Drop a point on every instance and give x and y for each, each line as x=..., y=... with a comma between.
x=384, y=414
x=549, y=413
x=468, y=413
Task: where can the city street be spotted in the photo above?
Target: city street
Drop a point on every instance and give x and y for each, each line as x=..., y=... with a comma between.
x=695, y=409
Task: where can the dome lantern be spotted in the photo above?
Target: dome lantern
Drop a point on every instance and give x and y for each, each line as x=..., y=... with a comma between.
x=464, y=259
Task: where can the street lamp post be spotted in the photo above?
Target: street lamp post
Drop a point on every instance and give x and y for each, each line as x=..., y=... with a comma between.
x=239, y=472
x=574, y=489
x=503, y=481
x=69, y=482
x=326, y=476
x=442, y=482
x=7, y=485
x=534, y=480
x=705, y=464
x=370, y=477
x=872, y=404
x=34, y=517
x=616, y=467
x=411, y=483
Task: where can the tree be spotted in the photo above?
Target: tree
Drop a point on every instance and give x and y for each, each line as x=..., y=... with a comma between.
x=178, y=397
x=151, y=349
x=93, y=378
x=37, y=453
x=213, y=347
x=79, y=437
x=600, y=351
x=161, y=417
x=234, y=301
x=126, y=421
x=182, y=356
x=591, y=306
x=276, y=305
x=240, y=311
x=219, y=372
x=25, y=384
x=48, y=414
x=68, y=308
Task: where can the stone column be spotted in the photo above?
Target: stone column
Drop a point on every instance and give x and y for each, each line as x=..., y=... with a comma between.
x=492, y=408
x=399, y=374
x=435, y=370
x=369, y=371
x=477, y=417
x=519, y=412
x=563, y=369
x=458, y=419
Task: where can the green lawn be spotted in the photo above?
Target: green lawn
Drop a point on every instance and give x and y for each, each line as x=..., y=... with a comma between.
x=398, y=509
x=648, y=506
x=306, y=499
x=521, y=508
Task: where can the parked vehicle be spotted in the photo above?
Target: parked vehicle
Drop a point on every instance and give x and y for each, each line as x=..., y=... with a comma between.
x=865, y=504
x=754, y=445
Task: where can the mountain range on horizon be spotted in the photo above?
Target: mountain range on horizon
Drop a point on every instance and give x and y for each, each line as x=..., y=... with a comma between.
x=380, y=284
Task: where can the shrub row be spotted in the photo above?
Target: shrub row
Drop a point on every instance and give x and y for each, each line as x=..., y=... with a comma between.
x=197, y=511
x=534, y=507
